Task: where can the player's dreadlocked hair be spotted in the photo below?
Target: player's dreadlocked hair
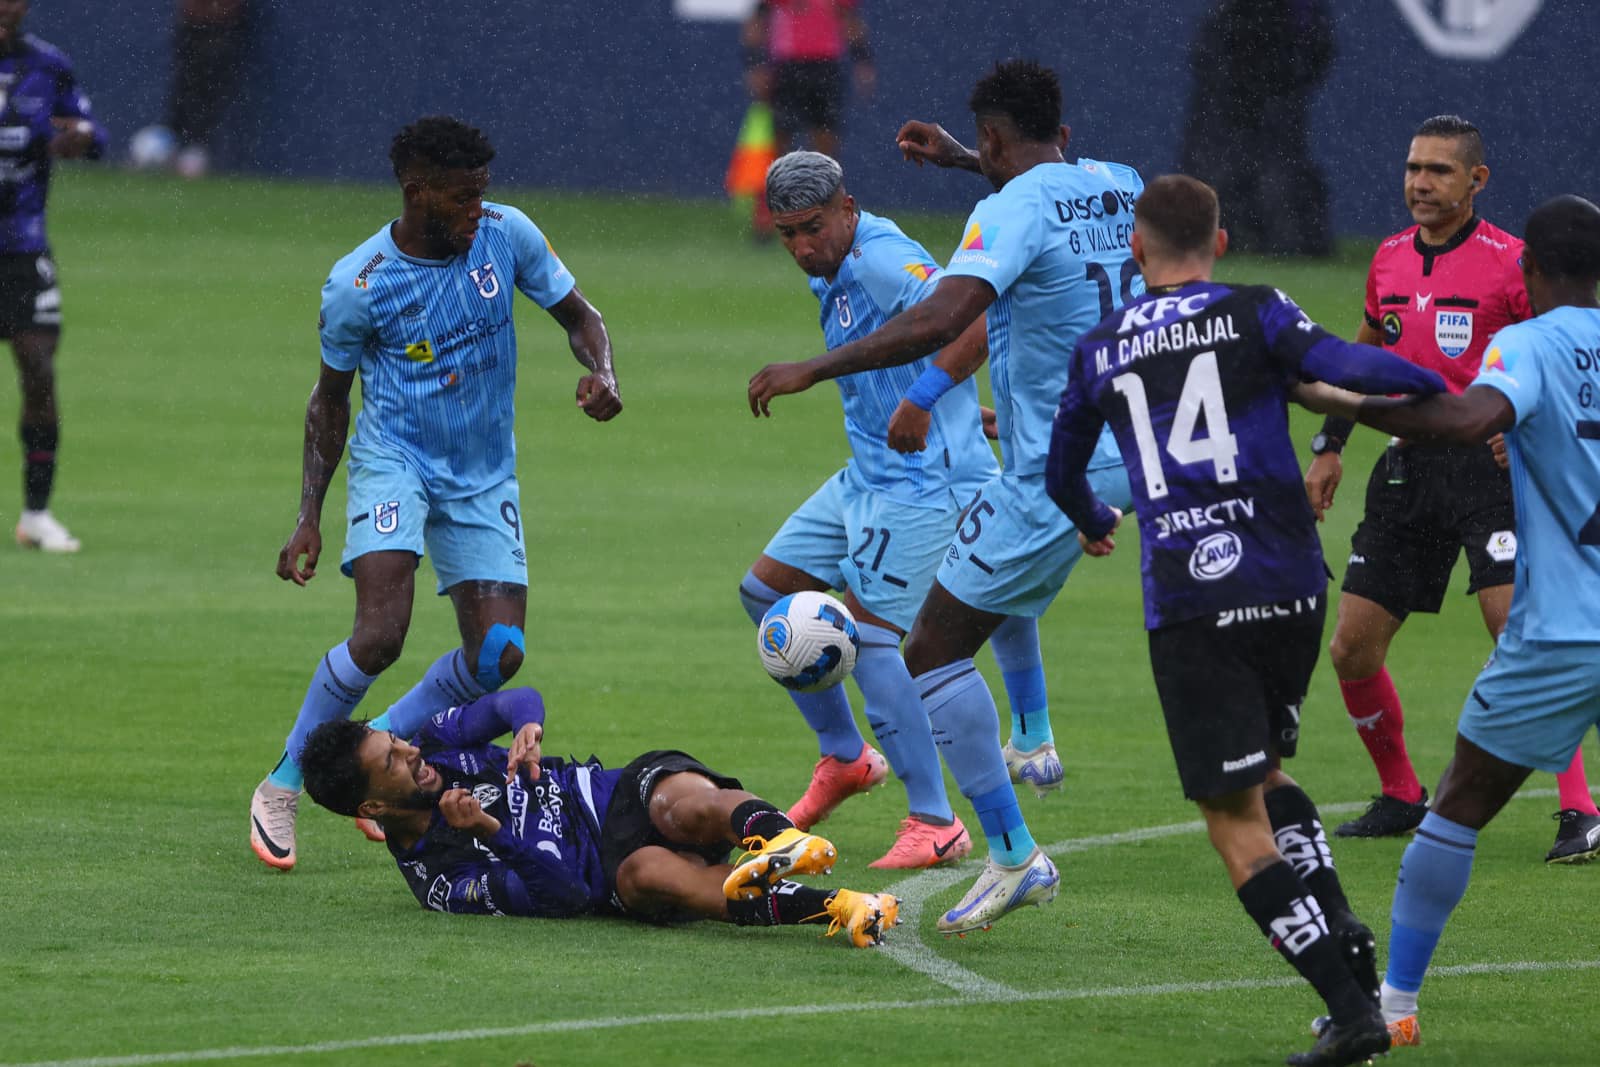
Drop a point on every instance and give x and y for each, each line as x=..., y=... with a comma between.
x=1025, y=92
x=1563, y=238
x=332, y=765
x=442, y=142
x=1460, y=130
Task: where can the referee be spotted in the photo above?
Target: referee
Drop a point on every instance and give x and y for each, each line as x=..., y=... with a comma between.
x=1436, y=293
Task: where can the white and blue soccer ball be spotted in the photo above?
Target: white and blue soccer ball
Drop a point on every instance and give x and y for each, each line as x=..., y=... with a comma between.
x=808, y=641
x=152, y=148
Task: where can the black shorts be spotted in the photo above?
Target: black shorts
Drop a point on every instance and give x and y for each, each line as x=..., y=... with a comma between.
x=627, y=827
x=29, y=296
x=1424, y=505
x=807, y=96
x=1231, y=686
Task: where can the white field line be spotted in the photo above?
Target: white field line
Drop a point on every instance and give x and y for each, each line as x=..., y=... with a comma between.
x=568, y=1026
x=970, y=987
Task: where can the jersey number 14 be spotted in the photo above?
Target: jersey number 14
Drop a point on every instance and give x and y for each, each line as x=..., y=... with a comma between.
x=1201, y=397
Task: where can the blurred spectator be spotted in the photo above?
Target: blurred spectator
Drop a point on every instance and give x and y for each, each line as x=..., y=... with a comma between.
x=1255, y=64
x=208, y=64
x=794, y=54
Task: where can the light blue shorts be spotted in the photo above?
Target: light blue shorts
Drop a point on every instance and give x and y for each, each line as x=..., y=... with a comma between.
x=1014, y=548
x=1534, y=702
x=883, y=551
x=473, y=539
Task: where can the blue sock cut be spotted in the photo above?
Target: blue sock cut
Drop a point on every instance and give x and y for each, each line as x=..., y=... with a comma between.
x=1433, y=878
x=1016, y=649
x=894, y=711
x=1001, y=818
x=336, y=688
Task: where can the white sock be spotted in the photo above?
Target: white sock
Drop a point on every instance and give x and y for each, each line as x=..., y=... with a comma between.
x=1397, y=1003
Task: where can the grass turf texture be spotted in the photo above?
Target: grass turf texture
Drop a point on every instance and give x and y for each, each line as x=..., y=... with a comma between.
x=150, y=681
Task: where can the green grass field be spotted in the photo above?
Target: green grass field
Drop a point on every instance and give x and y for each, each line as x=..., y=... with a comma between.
x=149, y=682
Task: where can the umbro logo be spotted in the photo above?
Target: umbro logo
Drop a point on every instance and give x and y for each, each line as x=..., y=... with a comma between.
x=411, y=311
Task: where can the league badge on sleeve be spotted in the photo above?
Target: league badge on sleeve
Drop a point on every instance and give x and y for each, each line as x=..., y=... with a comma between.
x=1452, y=330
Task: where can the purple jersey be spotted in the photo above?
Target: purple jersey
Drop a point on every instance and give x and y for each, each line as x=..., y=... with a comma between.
x=1194, y=381
x=36, y=85
x=545, y=859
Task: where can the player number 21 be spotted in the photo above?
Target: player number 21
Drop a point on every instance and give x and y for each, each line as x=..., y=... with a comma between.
x=1201, y=396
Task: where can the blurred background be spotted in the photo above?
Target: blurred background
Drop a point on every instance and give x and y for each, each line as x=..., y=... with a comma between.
x=647, y=95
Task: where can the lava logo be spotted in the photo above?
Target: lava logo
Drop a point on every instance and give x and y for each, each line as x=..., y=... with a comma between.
x=486, y=280
x=1216, y=556
x=1468, y=29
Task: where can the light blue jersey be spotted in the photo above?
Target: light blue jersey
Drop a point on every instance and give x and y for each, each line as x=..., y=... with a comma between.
x=436, y=348
x=1054, y=245
x=885, y=273
x=1549, y=368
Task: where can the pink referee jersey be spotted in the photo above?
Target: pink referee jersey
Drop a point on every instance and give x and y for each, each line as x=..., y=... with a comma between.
x=1438, y=305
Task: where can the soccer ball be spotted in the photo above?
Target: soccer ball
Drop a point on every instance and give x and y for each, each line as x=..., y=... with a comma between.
x=808, y=641
x=152, y=148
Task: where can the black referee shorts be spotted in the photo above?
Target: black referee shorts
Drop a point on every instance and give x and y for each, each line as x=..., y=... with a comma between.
x=807, y=96
x=1231, y=686
x=1424, y=506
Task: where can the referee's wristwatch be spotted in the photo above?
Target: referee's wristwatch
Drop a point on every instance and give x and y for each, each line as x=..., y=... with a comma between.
x=1323, y=442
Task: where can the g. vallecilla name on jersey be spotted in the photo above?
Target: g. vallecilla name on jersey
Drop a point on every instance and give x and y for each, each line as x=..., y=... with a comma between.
x=1101, y=238
x=1178, y=336
x=1220, y=513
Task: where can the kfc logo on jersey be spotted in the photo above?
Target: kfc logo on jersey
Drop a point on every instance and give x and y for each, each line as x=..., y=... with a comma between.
x=1216, y=556
x=1453, y=331
x=386, y=516
x=486, y=280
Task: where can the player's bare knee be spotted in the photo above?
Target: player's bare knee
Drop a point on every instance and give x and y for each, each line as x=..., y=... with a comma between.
x=644, y=884
x=1352, y=657
x=374, y=648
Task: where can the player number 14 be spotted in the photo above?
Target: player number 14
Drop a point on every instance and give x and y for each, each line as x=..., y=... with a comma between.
x=1201, y=396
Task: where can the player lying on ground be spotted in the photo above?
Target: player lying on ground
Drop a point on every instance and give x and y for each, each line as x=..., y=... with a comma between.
x=1235, y=584
x=1540, y=692
x=477, y=828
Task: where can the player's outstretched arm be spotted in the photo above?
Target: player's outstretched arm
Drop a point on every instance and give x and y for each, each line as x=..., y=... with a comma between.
x=922, y=328
x=327, y=424
x=955, y=363
x=1469, y=419
x=597, y=394
x=928, y=142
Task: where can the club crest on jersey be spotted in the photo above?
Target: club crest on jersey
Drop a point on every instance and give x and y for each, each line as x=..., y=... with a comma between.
x=486, y=794
x=486, y=280
x=842, y=302
x=1216, y=556
x=1453, y=331
x=386, y=516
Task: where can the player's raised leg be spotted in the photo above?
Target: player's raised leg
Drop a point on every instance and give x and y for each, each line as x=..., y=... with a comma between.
x=384, y=586
x=961, y=710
